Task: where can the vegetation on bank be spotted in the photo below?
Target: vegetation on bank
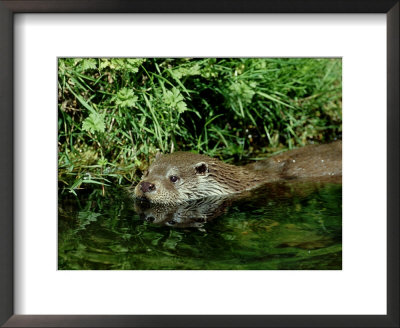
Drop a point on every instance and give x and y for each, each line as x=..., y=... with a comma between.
x=114, y=114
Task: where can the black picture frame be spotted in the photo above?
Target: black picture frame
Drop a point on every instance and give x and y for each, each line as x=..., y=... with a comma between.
x=7, y=11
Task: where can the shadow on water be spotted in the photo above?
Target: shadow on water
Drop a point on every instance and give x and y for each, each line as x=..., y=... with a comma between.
x=284, y=226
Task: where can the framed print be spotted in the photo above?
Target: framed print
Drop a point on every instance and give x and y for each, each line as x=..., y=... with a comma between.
x=100, y=229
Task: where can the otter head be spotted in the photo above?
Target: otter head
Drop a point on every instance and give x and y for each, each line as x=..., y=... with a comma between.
x=179, y=177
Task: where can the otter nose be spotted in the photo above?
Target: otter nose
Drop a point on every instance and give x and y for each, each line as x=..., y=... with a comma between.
x=147, y=186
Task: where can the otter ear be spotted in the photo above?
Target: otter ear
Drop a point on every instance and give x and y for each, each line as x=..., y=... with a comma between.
x=158, y=155
x=201, y=168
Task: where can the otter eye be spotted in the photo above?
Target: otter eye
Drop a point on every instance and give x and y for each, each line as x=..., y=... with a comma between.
x=173, y=178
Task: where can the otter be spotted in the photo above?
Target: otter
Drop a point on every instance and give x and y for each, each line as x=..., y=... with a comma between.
x=183, y=176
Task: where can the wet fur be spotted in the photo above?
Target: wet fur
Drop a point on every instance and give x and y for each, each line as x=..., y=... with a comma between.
x=202, y=176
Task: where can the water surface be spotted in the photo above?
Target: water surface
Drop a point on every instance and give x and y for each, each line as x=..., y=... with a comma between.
x=282, y=226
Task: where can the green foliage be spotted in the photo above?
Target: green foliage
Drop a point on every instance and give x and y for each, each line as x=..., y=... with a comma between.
x=121, y=111
x=128, y=64
x=174, y=100
x=94, y=123
x=87, y=64
x=126, y=98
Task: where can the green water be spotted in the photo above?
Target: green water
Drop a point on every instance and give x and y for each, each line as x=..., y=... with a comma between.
x=291, y=226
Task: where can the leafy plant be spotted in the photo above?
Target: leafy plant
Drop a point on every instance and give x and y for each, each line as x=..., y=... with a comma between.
x=94, y=123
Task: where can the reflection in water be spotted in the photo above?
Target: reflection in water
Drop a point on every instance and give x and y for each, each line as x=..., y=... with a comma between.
x=192, y=214
x=294, y=225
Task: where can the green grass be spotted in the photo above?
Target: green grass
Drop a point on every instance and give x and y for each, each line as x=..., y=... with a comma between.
x=116, y=113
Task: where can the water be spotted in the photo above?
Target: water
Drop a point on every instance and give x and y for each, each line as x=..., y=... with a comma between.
x=282, y=226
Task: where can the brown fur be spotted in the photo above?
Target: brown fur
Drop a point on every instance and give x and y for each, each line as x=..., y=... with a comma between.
x=202, y=176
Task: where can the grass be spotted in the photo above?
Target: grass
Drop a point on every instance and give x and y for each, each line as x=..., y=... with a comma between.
x=116, y=113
